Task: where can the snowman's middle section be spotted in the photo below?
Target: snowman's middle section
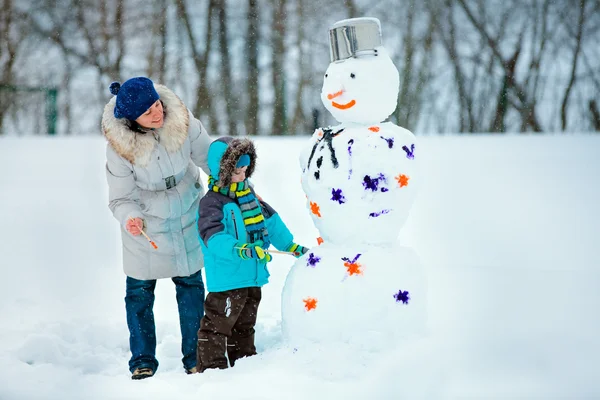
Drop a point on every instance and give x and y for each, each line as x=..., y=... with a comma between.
x=360, y=181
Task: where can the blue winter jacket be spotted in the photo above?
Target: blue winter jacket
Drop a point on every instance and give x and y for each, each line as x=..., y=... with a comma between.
x=222, y=229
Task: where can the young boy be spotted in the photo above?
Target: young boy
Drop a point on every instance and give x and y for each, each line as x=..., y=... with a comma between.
x=236, y=229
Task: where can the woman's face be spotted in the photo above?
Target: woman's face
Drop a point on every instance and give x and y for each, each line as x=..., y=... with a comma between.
x=239, y=175
x=153, y=118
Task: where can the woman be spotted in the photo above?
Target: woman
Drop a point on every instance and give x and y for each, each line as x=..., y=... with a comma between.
x=155, y=146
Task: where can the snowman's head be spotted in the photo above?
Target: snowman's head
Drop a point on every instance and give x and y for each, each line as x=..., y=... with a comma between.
x=361, y=89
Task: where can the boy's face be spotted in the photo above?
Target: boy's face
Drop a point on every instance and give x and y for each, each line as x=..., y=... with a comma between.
x=239, y=174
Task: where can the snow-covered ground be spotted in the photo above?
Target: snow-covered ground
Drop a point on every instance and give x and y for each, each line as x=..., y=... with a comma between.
x=507, y=229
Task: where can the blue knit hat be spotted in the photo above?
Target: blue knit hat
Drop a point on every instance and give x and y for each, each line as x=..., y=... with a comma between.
x=134, y=97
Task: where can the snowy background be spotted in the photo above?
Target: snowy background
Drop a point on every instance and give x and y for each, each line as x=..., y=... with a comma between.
x=506, y=227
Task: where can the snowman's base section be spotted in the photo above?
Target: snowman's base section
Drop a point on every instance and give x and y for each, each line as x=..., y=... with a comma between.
x=365, y=295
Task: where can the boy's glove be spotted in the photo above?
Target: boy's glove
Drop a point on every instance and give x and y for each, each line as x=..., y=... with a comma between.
x=247, y=251
x=298, y=250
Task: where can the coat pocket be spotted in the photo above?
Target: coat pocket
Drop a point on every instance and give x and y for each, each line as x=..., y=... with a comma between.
x=190, y=188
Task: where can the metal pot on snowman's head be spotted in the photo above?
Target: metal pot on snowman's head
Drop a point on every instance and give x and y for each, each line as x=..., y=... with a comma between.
x=353, y=38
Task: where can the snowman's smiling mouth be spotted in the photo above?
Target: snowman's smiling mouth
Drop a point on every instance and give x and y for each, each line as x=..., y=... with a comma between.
x=343, y=106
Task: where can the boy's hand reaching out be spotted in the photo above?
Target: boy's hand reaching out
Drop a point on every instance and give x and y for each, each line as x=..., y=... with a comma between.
x=247, y=251
x=297, y=250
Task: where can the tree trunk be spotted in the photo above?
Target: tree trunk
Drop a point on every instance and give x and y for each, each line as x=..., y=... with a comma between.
x=465, y=99
x=352, y=9
x=6, y=20
x=162, y=60
x=526, y=102
x=499, y=125
x=578, y=38
x=279, y=123
x=298, y=119
x=231, y=100
x=204, y=104
x=252, y=39
x=403, y=107
x=594, y=114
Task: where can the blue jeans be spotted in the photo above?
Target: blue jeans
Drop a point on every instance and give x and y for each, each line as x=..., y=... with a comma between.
x=139, y=301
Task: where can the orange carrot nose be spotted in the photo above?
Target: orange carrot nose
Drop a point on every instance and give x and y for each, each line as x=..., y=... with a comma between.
x=336, y=94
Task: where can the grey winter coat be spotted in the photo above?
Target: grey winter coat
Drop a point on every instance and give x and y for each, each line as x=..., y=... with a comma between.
x=155, y=176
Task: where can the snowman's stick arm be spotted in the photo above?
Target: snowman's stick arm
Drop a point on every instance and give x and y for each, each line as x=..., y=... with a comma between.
x=281, y=252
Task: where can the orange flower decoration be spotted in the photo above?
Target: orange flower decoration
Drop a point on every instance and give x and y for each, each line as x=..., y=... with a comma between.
x=320, y=240
x=315, y=209
x=374, y=129
x=402, y=180
x=353, y=268
x=310, y=303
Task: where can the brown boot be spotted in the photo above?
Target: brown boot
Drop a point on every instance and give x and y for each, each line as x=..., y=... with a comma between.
x=191, y=371
x=142, y=373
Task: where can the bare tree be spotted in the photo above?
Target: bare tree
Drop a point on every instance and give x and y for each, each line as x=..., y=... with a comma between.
x=157, y=54
x=594, y=114
x=352, y=8
x=299, y=118
x=466, y=65
x=96, y=25
x=447, y=34
x=204, y=105
x=252, y=40
x=576, y=53
x=226, y=83
x=279, y=123
x=9, y=44
x=520, y=98
x=416, y=54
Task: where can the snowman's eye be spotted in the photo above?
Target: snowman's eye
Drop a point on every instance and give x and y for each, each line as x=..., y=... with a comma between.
x=325, y=75
x=352, y=75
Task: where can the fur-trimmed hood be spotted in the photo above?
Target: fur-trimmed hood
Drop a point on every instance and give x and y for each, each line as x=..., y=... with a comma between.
x=137, y=147
x=223, y=155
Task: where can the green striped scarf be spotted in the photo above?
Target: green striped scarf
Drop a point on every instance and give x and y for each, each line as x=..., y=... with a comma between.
x=254, y=221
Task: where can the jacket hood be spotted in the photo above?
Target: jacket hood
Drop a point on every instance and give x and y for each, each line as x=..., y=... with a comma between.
x=137, y=147
x=223, y=155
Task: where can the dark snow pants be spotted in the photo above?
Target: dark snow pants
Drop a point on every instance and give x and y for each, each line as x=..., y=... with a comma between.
x=227, y=327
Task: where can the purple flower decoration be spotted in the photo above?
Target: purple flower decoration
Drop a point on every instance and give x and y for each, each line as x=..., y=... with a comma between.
x=390, y=141
x=373, y=183
x=350, y=143
x=377, y=214
x=410, y=154
x=401, y=296
x=336, y=195
x=312, y=260
x=353, y=260
x=384, y=189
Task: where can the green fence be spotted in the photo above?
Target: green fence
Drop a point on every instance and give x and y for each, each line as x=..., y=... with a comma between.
x=51, y=97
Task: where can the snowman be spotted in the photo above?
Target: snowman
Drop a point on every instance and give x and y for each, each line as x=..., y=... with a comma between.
x=360, y=178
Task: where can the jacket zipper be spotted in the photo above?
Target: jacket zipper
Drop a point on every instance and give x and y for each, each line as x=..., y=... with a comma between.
x=234, y=225
x=236, y=236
